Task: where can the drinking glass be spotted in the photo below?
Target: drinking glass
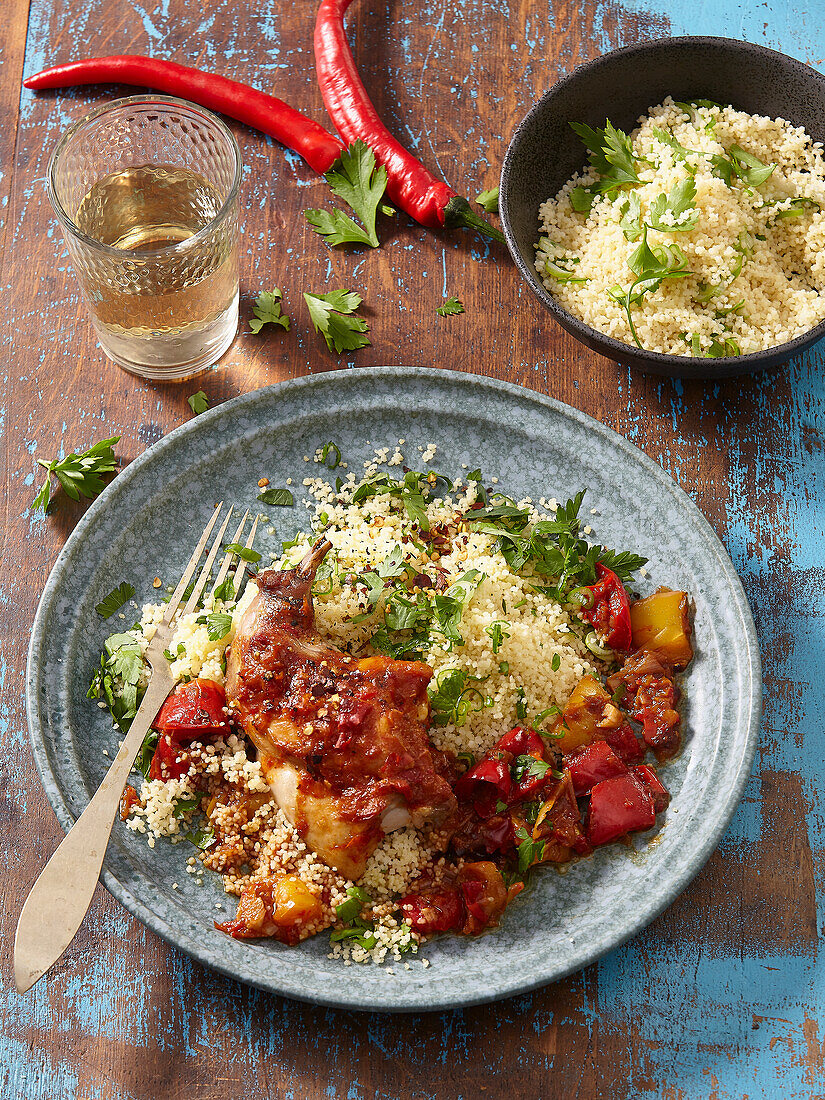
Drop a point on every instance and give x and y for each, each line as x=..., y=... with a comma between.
x=146, y=190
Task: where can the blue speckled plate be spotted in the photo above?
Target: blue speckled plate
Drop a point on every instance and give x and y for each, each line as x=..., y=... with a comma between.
x=145, y=524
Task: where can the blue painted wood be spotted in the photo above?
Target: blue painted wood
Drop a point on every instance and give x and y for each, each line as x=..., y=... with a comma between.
x=722, y=997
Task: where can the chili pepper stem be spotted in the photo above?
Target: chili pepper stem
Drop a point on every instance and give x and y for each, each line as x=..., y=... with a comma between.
x=458, y=212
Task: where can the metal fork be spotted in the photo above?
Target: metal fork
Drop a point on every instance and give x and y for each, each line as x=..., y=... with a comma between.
x=59, y=899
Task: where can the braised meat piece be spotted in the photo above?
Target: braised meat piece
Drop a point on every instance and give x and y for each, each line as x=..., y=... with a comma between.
x=342, y=741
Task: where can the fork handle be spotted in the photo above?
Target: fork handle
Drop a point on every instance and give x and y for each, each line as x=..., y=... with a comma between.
x=62, y=894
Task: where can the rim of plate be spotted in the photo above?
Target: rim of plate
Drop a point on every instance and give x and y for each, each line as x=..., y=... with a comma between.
x=544, y=974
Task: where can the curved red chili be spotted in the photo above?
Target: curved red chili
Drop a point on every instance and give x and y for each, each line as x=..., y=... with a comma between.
x=410, y=184
x=272, y=116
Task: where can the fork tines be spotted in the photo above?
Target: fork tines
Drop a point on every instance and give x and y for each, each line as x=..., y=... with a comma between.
x=203, y=576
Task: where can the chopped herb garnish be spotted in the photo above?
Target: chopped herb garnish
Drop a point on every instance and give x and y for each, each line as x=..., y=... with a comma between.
x=147, y=751
x=528, y=767
x=357, y=899
x=521, y=705
x=497, y=632
x=331, y=451
x=182, y=806
x=611, y=155
x=504, y=668
x=278, y=498
x=117, y=681
x=115, y=600
x=651, y=266
x=244, y=552
x=225, y=590
x=555, y=664
x=529, y=851
x=201, y=838
x=451, y=698
x=667, y=212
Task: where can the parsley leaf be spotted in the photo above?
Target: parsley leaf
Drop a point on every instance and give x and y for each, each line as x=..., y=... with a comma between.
x=622, y=564
x=267, y=310
x=201, y=838
x=361, y=183
x=450, y=307
x=243, y=552
x=581, y=198
x=528, y=767
x=218, y=625
x=278, y=498
x=529, y=851
x=115, y=600
x=117, y=680
x=681, y=199
x=489, y=200
x=182, y=806
x=681, y=152
x=79, y=474
x=630, y=217
x=749, y=168
x=198, y=402
x=331, y=316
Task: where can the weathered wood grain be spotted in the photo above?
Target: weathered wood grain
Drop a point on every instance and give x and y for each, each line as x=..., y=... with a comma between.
x=722, y=996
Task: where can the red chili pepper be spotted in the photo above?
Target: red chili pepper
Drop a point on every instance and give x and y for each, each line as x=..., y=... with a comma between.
x=610, y=613
x=409, y=184
x=319, y=148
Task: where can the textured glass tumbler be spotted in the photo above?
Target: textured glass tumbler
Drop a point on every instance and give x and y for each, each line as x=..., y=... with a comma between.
x=146, y=190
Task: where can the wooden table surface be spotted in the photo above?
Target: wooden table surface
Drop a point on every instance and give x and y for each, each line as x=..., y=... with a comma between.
x=722, y=996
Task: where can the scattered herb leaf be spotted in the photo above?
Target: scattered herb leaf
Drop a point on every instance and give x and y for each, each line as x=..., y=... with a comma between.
x=450, y=308
x=267, y=310
x=115, y=600
x=331, y=315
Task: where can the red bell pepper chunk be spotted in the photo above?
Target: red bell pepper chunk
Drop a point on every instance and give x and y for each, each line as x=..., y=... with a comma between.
x=485, y=785
x=192, y=712
x=593, y=764
x=196, y=709
x=626, y=745
x=655, y=788
x=443, y=911
x=618, y=806
x=610, y=612
x=521, y=741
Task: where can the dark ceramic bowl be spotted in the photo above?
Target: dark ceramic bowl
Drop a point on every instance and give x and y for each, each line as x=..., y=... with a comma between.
x=545, y=152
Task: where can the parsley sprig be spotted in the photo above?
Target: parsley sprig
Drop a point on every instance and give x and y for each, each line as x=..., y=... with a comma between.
x=611, y=155
x=361, y=184
x=651, y=266
x=80, y=475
